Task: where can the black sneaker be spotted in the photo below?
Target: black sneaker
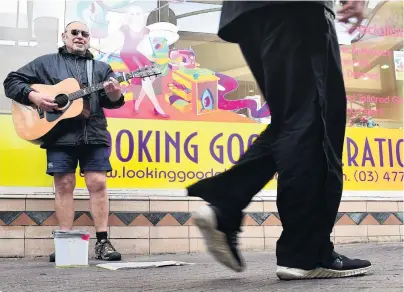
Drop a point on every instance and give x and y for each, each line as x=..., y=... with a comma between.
x=104, y=250
x=222, y=245
x=337, y=266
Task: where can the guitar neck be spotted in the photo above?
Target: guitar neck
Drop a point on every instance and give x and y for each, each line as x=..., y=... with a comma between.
x=96, y=87
x=85, y=91
x=140, y=73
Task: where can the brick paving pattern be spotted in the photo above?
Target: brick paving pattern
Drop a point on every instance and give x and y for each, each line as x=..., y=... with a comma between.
x=38, y=275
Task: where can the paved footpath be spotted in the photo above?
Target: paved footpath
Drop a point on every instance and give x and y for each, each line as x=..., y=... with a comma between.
x=34, y=275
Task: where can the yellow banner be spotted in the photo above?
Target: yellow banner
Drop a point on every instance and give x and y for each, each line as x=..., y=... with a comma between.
x=172, y=154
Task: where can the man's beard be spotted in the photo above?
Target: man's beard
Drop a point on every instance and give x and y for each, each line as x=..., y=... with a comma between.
x=80, y=51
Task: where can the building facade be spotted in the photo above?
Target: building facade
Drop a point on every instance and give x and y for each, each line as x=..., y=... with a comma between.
x=212, y=111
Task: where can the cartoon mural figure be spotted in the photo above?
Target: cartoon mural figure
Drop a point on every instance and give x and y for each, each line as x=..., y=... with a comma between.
x=134, y=30
x=205, y=90
x=184, y=90
x=137, y=43
x=192, y=89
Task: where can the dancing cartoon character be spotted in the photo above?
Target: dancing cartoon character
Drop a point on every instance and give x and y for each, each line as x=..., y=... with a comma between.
x=134, y=30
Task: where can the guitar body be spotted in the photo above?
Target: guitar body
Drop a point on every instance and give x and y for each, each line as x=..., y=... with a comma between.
x=32, y=124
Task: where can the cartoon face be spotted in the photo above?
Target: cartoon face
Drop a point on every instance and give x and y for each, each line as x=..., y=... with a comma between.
x=186, y=57
x=135, y=17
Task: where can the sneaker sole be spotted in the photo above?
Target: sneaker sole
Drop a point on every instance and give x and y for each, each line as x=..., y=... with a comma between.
x=284, y=273
x=205, y=220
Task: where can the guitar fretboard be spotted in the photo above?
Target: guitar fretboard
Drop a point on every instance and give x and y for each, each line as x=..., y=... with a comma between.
x=85, y=91
x=140, y=73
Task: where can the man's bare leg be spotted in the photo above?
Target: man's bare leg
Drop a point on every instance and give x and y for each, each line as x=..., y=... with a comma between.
x=96, y=182
x=64, y=204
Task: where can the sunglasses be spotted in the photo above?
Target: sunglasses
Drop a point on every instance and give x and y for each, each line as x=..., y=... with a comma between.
x=76, y=32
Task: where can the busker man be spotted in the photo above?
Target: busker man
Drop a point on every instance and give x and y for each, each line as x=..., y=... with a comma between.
x=292, y=50
x=74, y=140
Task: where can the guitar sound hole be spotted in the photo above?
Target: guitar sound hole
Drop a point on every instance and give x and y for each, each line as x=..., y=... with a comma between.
x=61, y=100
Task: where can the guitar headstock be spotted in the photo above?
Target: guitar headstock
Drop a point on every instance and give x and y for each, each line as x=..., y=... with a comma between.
x=147, y=71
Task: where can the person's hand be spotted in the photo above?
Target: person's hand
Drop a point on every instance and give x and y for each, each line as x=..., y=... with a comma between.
x=352, y=9
x=42, y=101
x=112, y=89
x=112, y=86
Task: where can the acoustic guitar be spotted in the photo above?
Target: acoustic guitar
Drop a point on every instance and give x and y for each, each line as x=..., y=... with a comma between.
x=33, y=124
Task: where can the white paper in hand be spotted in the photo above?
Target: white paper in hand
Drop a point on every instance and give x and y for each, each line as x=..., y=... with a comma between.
x=344, y=37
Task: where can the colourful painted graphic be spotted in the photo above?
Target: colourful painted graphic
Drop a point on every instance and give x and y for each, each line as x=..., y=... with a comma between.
x=185, y=91
x=151, y=145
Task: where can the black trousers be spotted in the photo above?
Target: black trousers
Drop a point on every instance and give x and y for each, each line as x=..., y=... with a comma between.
x=293, y=53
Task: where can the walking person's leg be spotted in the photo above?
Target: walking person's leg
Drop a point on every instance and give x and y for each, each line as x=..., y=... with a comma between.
x=296, y=44
x=305, y=249
x=230, y=192
x=273, y=48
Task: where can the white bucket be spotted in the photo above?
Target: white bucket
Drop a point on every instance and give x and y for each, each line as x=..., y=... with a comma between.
x=71, y=248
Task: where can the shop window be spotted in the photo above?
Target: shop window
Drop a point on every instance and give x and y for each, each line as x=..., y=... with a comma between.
x=197, y=17
x=373, y=66
x=28, y=29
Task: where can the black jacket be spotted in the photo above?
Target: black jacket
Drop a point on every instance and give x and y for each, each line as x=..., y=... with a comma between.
x=230, y=27
x=51, y=69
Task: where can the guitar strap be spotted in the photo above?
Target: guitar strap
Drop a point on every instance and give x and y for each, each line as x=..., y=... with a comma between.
x=89, y=72
x=89, y=64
